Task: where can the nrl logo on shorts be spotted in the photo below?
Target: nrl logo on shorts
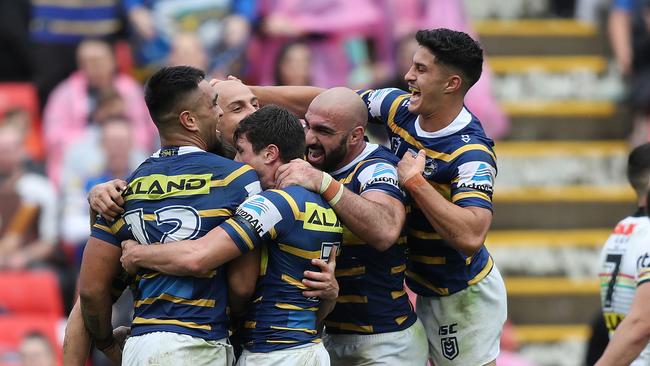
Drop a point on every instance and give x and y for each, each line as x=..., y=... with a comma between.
x=449, y=347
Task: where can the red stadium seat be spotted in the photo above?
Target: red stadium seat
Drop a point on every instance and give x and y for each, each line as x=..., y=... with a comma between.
x=30, y=293
x=24, y=95
x=14, y=327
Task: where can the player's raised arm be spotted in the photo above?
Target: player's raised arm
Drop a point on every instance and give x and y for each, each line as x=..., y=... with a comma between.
x=294, y=98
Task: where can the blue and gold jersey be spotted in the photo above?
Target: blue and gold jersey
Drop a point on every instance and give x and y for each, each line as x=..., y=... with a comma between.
x=295, y=226
x=177, y=194
x=461, y=165
x=371, y=283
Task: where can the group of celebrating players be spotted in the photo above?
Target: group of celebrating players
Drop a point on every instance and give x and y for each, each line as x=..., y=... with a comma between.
x=298, y=249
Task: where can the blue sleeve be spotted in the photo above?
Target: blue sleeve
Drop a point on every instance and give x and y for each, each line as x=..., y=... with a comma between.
x=260, y=218
x=105, y=231
x=472, y=182
x=380, y=175
x=384, y=104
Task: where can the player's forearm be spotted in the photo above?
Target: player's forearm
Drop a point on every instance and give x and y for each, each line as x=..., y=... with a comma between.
x=76, y=344
x=324, y=309
x=378, y=225
x=179, y=259
x=458, y=226
x=630, y=338
x=242, y=278
x=294, y=98
x=96, y=310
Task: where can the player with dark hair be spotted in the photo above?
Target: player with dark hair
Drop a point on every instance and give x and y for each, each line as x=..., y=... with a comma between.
x=448, y=167
x=293, y=226
x=373, y=321
x=625, y=274
x=181, y=192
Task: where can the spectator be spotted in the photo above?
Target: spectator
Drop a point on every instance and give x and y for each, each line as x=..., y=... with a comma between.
x=292, y=66
x=629, y=34
x=327, y=24
x=223, y=28
x=187, y=50
x=109, y=155
x=57, y=27
x=74, y=102
x=36, y=350
x=29, y=207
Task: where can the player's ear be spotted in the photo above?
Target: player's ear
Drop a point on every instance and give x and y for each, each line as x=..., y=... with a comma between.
x=271, y=153
x=454, y=83
x=357, y=134
x=188, y=121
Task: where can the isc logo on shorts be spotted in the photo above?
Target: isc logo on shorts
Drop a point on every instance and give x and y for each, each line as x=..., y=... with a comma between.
x=449, y=345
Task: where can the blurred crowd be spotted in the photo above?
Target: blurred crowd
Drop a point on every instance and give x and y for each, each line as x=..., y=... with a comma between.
x=72, y=112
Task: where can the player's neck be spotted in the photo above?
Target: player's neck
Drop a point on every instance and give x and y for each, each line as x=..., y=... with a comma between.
x=352, y=154
x=441, y=117
x=179, y=139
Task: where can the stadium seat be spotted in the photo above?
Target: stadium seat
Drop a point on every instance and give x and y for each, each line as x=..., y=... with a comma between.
x=15, y=327
x=30, y=293
x=25, y=96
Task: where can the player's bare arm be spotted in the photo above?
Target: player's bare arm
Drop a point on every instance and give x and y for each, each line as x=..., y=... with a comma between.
x=632, y=335
x=374, y=217
x=76, y=344
x=182, y=258
x=323, y=285
x=99, y=266
x=106, y=199
x=465, y=228
x=242, y=277
x=294, y=98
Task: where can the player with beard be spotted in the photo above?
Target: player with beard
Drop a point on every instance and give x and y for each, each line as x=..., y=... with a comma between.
x=373, y=321
x=178, y=193
x=448, y=167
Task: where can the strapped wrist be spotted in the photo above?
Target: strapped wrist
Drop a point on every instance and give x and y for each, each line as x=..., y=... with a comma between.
x=414, y=182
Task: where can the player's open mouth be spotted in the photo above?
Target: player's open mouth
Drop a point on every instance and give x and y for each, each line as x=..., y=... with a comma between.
x=315, y=155
x=415, y=94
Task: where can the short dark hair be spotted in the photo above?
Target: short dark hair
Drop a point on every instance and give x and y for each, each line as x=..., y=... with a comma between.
x=167, y=87
x=274, y=125
x=638, y=168
x=454, y=49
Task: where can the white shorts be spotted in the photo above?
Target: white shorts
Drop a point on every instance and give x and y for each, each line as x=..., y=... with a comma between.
x=309, y=355
x=166, y=348
x=406, y=347
x=465, y=328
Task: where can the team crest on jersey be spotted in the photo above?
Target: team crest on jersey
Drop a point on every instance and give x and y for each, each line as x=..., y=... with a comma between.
x=465, y=138
x=430, y=167
x=477, y=175
x=260, y=213
x=449, y=346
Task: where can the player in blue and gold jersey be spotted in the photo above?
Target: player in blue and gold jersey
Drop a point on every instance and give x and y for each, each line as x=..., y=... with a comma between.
x=451, y=203
x=373, y=321
x=293, y=227
x=181, y=192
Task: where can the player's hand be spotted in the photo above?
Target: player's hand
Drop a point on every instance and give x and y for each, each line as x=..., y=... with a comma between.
x=106, y=198
x=120, y=334
x=411, y=165
x=298, y=172
x=129, y=249
x=216, y=81
x=322, y=284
